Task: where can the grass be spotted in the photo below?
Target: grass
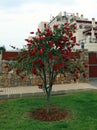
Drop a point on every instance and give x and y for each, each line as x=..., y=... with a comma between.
x=82, y=107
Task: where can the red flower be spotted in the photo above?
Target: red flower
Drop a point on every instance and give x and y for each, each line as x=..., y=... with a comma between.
x=6, y=66
x=31, y=41
x=31, y=32
x=34, y=62
x=68, y=43
x=70, y=34
x=41, y=38
x=50, y=56
x=84, y=75
x=34, y=71
x=80, y=51
x=27, y=40
x=56, y=66
x=73, y=39
x=35, y=49
x=66, y=28
x=66, y=67
x=55, y=26
x=28, y=44
x=32, y=53
x=73, y=45
x=61, y=65
x=40, y=85
x=66, y=23
x=72, y=72
x=45, y=25
x=22, y=77
x=86, y=66
x=51, y=43
x=41, y=51
x=66, y=39
x=78, y=68
x=74, y=79
x=39, y=30
x=17, y=71
x=48, y=32
x=41, y=45
x=57, y=58
x=69, y=49
x=41, y=63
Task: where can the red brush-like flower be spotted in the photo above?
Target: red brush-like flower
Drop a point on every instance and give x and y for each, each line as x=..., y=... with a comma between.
x=73, y=45
x=39, y=30
x=56, y=67
x=66, y=23
x=17, y=71
x=34, y=71
x=78, y=68
x=66, y=67
x=74, y=79
x=6, y=66
x=27, y=40
x=55, y=26
x=70, y=34
x=61, y=65
x=66, y=28
x=50, y=56
x=72, y=72
x=40, y=86
x=41, y=38
x=84, y=75
x=85, y=65
x=22, y=77
x=32, y=53
x=45, y=25
x=48, y=32
x=73, y=39
x=51, y=43
x=57, y=58
x=41, y=51
x=41, y=63
x=31, y=32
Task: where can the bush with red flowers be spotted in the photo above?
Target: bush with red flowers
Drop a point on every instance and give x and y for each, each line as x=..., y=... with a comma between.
x=48, y=54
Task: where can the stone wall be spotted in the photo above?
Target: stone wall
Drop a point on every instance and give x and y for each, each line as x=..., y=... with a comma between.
x=12, y=80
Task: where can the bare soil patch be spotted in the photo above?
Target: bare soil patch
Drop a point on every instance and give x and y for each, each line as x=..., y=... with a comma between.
x=55, y=114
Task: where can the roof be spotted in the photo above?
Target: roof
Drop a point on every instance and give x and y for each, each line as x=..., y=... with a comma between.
x=9, y=55
x=88, y=30
x=12, y=55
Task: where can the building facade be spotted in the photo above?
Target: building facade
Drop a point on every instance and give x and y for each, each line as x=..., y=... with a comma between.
x=86, y=30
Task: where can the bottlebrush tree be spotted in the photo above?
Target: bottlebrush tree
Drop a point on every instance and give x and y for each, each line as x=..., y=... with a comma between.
x=48, y=54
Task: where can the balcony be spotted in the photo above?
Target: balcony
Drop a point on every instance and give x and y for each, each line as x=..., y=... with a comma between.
x=92, y=46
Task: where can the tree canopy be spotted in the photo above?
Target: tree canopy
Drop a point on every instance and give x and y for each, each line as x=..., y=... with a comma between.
x=2, y=49
x=48, y=54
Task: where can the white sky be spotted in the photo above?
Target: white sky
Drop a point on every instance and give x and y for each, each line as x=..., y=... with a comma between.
x=19, y=17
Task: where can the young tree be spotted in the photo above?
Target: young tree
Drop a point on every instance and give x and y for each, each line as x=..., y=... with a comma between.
x=48, y=54
x=2, y=49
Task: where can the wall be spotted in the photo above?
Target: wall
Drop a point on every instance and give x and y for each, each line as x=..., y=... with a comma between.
x=11, y=79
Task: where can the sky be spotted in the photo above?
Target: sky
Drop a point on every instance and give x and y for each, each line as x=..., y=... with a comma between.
x=20, y=17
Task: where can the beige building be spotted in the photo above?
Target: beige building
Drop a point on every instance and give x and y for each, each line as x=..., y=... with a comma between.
x=86, y=30
x=41, y=25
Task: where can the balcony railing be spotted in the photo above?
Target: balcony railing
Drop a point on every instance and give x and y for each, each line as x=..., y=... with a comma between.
x=93, y=40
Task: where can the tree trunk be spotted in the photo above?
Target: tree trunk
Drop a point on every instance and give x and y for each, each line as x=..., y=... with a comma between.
x=48, y=103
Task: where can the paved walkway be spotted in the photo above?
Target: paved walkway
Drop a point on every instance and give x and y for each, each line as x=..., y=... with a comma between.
x=14, y=92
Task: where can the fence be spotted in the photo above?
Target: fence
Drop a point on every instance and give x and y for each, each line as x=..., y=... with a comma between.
x=11, y=79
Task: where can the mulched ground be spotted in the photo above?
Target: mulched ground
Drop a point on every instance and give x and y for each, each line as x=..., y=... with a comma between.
x=55, y=114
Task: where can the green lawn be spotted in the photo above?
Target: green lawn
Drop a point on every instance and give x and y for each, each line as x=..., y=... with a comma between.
x=82, y=107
